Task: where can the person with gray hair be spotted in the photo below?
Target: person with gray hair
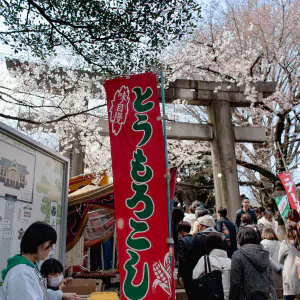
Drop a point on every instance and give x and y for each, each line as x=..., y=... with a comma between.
x=197, y=204
x=200, y=212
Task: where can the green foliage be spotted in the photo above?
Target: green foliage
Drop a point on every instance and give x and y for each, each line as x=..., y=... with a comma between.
x=58, y=221
x=58, y=184
x=197, y=182
x=115, y=36
x=58, y=168
x=46, y=209
x=44, y=179
x=41, y=189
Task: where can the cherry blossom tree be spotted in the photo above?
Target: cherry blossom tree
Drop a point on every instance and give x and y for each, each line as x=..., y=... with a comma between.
x=111, y=37
x=115, y=36
x=58, y=106
x=246, y=42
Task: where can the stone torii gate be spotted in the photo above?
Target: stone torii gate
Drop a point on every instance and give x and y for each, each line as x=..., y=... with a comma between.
x=219, y=131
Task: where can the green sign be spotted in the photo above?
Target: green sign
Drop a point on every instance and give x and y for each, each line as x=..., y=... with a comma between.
x=283, y=206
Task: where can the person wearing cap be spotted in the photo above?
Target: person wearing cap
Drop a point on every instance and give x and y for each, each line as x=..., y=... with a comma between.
x=206, y=225
x=199, y=213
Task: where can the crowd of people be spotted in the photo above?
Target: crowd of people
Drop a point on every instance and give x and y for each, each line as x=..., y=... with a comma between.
x=248, y=254
x=217, y=259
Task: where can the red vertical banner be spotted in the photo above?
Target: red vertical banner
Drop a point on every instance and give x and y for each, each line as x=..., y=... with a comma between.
x=287, y=181
x=141, y=205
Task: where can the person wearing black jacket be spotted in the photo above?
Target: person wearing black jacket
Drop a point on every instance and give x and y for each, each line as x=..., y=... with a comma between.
x=224, y=223
x=177, y=216
x=245, y=209
x=206, y=226
x=185, y=243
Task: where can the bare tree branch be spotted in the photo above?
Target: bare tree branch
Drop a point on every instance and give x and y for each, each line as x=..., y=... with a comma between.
x=30, y=121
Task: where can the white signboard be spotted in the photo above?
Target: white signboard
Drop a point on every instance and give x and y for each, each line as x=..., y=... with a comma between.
x=75, y=256
x=33, y=187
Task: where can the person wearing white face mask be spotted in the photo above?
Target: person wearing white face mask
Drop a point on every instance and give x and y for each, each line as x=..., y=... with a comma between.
x=22, y=278
x=52, y=270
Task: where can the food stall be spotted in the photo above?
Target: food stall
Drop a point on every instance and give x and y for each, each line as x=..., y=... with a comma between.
x=91, y=226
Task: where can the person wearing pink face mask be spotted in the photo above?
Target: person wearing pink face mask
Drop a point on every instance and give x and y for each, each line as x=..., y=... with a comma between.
x=22, y=278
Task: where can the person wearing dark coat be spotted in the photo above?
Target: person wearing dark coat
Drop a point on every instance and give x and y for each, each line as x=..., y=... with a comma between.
x=245, y=209
x=231, y=230
x=185, y=243
x=177, y=216
x=251, y=276
x=206, y=225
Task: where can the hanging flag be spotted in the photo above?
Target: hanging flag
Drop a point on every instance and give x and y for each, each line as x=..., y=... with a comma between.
x=141, y=206
x=287, y=181
x=283, y=206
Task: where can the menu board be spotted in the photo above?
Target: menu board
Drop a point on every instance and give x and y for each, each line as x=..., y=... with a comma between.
x=33, y=187
x=75, y=256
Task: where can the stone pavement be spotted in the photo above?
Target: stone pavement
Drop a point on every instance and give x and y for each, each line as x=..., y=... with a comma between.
x=181, y=295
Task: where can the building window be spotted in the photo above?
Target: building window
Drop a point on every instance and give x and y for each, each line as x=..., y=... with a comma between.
x=13, y=175
x=2, y=171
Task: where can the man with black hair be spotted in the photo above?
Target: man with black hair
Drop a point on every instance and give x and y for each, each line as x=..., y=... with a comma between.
x=177, y=216
x=185, y=264
x=245, y=209
x=225, y=226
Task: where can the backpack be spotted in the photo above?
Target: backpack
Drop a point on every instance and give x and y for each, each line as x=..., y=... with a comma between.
x=226, y=233
x=207, y=286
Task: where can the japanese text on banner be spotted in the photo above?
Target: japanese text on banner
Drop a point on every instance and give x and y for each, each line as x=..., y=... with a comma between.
x=287, y=181
x=141, y=205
